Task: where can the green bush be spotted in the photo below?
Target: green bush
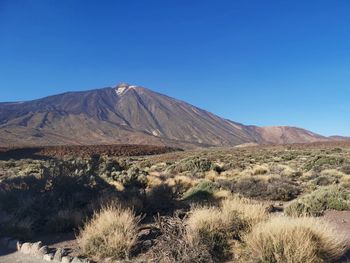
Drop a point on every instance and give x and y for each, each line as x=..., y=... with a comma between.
x=327, y=177
x=323, y=162
x=193, y=165
x=315, y=203
x=133, y=177
x=202, y=191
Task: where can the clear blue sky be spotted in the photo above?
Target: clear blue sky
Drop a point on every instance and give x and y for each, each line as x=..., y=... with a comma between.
x=257, y=62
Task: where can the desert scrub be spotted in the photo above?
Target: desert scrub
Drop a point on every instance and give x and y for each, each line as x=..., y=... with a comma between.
x=241, y=214
x=285, y=170
x=323, y=162
x=110, y=233
x=204, y=190
x=345, y=182
x=160, y=198
x=174, y=245
x=207, y=226
x=266, y=187
x=314, y=204
x=260, y=169
x=193, y=165
x=218, y=227
x=295, y=240
x=108, y=167
x=133, y=177
x=346, y=169
x=327, y=177
x=16, y=227
x=39, y=199
x=181, y=183
x=64, y=221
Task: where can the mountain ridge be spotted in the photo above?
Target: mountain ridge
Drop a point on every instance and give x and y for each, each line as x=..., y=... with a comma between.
x=130, y=114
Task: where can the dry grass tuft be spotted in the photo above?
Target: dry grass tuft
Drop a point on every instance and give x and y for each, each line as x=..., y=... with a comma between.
x=205, y=217
x=206, y=226
x=211, y=175
x=153, y=181
x=110, y=233
x=249, y=211
x=216, y=228
x=222, y=194
x=181, y=183
x=261, y=169
x=295, y=240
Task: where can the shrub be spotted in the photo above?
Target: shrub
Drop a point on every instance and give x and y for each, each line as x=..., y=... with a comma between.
x=16, y=227
x=249, y=214
x=345, y=182
x=160, y=198
x=268, y=188
x=181, y=183
x=323, y=162
x=204, y=190
x=327, y=177
x=260, y=169
x=64, y=221
x=207, y=226
x=193, y=165
x=295, y=240
x=285, y=170
x=39, y=199
x=346, y=169
x=110, y=233
x=173, y=245
x=108, y=167
x=315, y=203
x=133, y=177
x=211, y=175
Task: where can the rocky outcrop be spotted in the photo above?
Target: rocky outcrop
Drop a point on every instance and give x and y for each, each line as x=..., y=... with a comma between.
x=41, y=251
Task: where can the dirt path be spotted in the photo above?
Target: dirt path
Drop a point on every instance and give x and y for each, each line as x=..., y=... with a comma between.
x=16, y=257
x=341, y=221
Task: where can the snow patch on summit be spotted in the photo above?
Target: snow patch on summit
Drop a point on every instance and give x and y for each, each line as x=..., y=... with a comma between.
x=156, y=132
x=120, y=90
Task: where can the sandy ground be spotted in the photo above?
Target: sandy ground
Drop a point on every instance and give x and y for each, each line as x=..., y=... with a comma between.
x=341, y=221
x=7, y=256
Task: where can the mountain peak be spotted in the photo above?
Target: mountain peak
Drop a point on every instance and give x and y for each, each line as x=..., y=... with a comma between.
x=129, y=114
x=123, y=87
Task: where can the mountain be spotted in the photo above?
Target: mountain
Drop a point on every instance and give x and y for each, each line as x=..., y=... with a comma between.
x=287, y=135
x=129, y=114
x=339, y=138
